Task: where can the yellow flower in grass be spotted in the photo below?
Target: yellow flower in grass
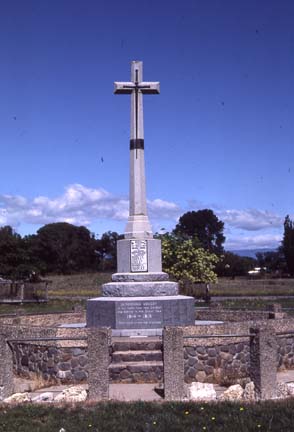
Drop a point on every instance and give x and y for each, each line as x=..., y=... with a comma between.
x=187, y=412
x=212, y=418
x=154, y=422
x=241, y=409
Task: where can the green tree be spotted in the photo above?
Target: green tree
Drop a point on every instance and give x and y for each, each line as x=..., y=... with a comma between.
x=233, y=265
x=186, y=262
x=14, y=258
x=274, y=261
x=204, y=225
x=106, y=250
x=288, y=244
x=64, y=248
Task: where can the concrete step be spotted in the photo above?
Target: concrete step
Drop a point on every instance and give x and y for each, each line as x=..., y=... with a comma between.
x=129, y=344
x=136, y=372
x=136, y=356
x=137, y=344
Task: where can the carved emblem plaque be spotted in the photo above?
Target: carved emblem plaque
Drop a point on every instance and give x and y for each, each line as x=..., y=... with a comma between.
x=139, y=262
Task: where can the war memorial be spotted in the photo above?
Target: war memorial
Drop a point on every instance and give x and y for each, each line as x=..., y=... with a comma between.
x=140, y=299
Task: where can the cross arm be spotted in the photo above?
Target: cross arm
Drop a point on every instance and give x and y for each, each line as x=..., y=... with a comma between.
x=149, y=87
x=123, y=87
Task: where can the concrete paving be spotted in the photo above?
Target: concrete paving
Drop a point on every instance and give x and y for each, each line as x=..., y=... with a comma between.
x=121, y=392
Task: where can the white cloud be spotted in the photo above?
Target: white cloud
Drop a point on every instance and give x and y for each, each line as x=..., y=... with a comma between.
x=78, y=205
x=266, y=241
x=160, y=209
x=251, y=219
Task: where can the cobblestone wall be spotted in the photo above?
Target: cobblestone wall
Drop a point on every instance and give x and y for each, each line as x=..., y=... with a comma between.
x=286, y=352
x=52, y=363
x=221, y=364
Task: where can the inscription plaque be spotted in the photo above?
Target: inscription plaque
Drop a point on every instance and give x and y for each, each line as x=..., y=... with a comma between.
x=139, y=256
x=139, y=314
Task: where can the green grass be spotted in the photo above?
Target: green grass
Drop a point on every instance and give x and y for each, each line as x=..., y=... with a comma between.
x=81, y=284
x=251, y=287
x=51, y=306
x=146, y=417
x=257, y=303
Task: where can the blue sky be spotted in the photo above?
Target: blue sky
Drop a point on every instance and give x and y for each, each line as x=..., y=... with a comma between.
x=220, y=135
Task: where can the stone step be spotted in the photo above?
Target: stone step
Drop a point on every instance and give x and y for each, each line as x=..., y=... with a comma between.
x=136, y=356
x=134, y=372
x=138, y=344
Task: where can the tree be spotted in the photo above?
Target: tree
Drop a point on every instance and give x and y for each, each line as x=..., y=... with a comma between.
x=106, y=249
x=205, y=225
x=288, y=244
x=186, y=262
x=64, y=248
x=14, y=258
x=234, y=265
x=273, y=261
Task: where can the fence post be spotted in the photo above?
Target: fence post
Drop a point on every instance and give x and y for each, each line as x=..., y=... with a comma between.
x=98, y=362
x=173, y=363
x=276, y=311
x=6, y=369
x=263, y=361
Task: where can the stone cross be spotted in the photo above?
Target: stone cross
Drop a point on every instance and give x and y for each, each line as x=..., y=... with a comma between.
x=138, y=226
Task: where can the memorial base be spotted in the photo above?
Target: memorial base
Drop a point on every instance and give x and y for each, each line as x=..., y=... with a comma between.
x=140, y=312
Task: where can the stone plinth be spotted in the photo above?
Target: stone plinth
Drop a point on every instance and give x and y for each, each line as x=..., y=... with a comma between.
x=140, y=312
x=140, y=289
x=143, y=256
x=140, y=277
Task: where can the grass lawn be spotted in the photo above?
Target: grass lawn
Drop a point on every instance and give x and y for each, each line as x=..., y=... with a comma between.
x=60, y=305
x=77, y=285
x=146, y=416
x=252, y=287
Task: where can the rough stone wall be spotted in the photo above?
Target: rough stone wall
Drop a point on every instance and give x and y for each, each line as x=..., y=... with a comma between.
x=223, y=364
x=65, y=365
x=285, y=352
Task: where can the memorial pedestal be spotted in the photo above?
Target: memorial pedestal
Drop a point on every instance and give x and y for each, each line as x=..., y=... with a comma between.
x=140, y=312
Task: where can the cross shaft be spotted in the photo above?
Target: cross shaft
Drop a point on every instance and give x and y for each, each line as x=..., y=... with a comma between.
x=138, y=225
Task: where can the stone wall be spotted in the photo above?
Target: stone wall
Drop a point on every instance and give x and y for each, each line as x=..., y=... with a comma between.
x=65, y=365
x=286, y=352
x=223, y=364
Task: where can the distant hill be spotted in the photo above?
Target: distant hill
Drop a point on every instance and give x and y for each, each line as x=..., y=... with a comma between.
x=250, y=252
